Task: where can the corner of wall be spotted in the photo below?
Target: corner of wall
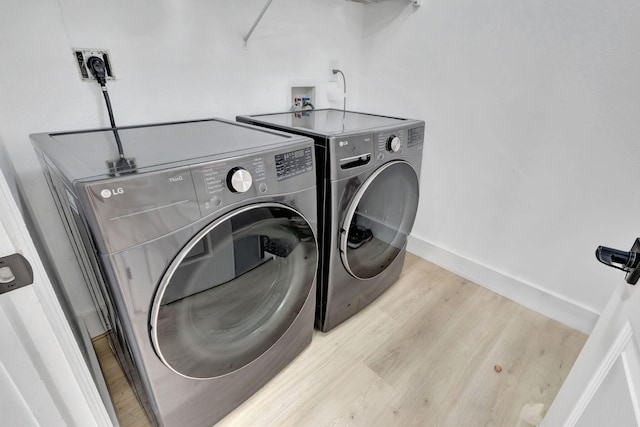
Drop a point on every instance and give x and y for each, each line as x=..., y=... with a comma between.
x=9, y=171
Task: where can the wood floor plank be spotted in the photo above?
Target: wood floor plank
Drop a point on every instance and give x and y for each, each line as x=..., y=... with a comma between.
x=128, y=409
x=423, y=354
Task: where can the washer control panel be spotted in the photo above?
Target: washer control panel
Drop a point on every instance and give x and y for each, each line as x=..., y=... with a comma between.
x=394, y=144
x=416, y=136
x=353, y=151
x=391, y=141
x=353, y=154
x=399, y=142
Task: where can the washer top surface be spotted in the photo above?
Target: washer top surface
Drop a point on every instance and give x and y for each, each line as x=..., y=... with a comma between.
x=84, y=154
x=329, y=122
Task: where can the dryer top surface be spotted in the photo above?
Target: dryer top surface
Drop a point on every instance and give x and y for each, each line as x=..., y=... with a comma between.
x=84, y=154
x=328, y=122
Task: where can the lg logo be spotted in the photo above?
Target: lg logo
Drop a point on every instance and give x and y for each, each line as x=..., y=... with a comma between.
x=343, y=143
x=106, y=193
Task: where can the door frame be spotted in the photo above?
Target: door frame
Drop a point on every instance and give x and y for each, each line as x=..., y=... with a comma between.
x=76, y=395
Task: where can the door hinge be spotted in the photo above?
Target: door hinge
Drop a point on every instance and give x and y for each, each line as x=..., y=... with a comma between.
x=15, y=272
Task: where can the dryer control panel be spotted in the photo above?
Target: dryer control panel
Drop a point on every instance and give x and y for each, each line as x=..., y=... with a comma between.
x=134, y=209
x=293, y=163
x=220, y=184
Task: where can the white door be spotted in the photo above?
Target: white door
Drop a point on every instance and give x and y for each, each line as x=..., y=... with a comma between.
x=44, y=380
x=603, y=387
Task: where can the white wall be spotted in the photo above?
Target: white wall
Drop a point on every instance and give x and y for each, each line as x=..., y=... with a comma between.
x=532, y=141
x=173, y=60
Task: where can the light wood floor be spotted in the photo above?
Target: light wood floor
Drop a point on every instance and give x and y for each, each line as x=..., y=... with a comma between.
x=423, y=354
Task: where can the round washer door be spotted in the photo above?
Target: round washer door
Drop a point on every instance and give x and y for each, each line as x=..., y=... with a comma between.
x=379, y=219
x=233, y=290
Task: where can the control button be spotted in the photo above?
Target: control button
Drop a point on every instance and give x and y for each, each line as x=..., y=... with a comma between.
x=6, y=275
x=216, y=201
x=239, y=180
x=394, y=144
x=381, y=156
x=262, y=187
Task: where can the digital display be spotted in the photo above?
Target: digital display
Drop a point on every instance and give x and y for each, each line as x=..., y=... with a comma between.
x=293, y=163
x=293, y=155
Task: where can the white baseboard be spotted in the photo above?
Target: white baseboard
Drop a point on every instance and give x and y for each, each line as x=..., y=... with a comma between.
x=556, y=307
x=91, y=321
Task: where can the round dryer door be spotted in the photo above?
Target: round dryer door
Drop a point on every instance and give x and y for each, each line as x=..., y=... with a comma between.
x=379, y=220
x=233, y=290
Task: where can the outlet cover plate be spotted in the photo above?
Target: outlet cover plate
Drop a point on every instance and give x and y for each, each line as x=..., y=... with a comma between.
x=82, y=54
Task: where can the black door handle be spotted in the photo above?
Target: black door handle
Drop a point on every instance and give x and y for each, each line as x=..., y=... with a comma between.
x=15, y=272
x=628, y=262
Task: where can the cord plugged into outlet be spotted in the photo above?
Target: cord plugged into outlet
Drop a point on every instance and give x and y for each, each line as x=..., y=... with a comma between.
x=344, y=92
x=122, y=164
x=97, y=68
x=82, y=56
x=333, y=65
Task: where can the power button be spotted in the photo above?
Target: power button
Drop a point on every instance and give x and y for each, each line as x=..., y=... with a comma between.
x=216, y=201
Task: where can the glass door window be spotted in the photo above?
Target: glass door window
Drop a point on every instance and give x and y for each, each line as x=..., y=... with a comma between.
x=379, y=220
x=234, y=290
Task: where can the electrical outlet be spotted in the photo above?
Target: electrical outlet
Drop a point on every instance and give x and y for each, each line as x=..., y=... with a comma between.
x=81, y=56
x=333, y=65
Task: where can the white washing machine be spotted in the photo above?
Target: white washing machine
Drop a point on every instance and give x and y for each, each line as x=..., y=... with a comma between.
x=368, y=178
x=203, y=260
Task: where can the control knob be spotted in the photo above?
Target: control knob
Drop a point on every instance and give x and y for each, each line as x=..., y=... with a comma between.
x=239, y=180
x=394, y=144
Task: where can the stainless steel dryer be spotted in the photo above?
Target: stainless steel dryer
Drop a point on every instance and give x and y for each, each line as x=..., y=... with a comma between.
x=368, y=187
x=206, y=257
